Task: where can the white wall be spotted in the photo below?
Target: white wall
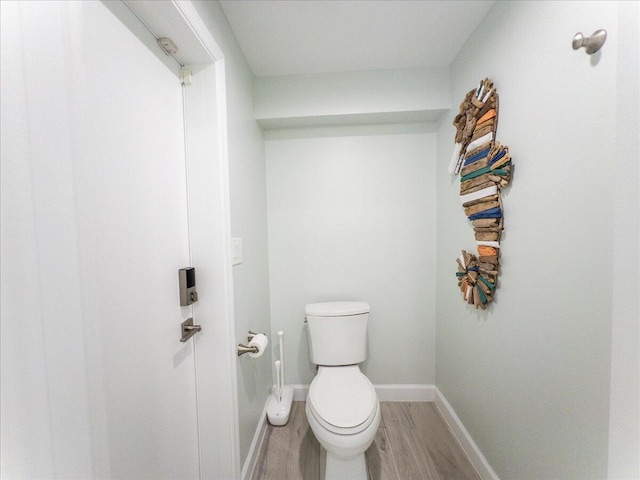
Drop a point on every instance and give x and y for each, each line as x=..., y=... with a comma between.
x=351, y=217
x=46, y=428
x=247, y=183
x=529, y=378
x=347, y=98
x=624, y=419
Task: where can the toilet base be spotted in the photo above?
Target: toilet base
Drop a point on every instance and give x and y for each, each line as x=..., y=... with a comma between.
x=340, y=468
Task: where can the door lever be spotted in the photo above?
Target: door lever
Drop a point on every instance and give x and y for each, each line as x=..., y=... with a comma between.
x=188, y=329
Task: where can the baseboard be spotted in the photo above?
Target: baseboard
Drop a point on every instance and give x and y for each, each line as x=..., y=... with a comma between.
x=386, y=393
x=463, y=438
x=405, y=393
x=300, y=392
x=256, y=445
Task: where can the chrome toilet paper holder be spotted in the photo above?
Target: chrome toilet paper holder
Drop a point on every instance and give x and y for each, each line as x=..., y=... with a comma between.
x=242, y=349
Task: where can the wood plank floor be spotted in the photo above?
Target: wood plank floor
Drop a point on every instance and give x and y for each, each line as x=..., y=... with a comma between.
x=413, y=442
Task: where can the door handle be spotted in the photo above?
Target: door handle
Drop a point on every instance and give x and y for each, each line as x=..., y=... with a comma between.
x=188, y=329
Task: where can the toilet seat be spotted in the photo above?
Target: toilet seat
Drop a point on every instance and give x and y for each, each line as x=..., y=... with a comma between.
x=342, y=399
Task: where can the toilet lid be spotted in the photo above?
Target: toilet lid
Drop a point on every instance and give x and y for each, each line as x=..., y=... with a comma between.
x=342, y=396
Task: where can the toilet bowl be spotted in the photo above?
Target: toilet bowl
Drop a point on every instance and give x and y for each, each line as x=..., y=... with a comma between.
x=342, y=406
x=344, y=414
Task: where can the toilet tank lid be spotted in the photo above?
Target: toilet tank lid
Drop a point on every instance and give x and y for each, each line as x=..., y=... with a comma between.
x=337, y=309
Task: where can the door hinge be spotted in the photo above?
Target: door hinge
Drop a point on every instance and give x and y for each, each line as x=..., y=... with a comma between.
x=185, y=76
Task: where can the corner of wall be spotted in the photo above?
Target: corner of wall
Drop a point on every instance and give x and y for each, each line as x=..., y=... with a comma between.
x=624, y=406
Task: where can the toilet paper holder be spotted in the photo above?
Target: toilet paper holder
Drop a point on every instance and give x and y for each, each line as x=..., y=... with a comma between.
x=242, y=349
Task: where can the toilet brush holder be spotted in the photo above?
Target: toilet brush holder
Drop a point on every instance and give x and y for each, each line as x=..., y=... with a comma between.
x=279, y=407
x=281, y=397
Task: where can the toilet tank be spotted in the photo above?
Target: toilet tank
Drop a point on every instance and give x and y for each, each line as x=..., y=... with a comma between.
x=337, y=332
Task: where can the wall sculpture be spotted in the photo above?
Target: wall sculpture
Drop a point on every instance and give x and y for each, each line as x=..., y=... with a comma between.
x=484, y=167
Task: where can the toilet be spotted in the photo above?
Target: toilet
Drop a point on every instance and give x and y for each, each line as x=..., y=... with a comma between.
x=342, y=406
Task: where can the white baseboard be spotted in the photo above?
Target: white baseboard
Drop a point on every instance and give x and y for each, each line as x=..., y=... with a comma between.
x=405, y=393
x=256, y=445
x=463, y=438
x=389, y=393
x=386, y=393
x=300, y=392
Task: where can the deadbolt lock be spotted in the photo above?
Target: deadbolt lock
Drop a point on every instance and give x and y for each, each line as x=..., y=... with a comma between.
x=188, y=293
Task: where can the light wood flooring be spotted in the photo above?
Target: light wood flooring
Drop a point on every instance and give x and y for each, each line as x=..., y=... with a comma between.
x=413, y=442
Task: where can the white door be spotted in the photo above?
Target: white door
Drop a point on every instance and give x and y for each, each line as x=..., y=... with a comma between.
x=94, y=230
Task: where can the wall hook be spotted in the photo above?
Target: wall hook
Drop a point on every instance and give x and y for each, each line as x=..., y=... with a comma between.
x=591, y=44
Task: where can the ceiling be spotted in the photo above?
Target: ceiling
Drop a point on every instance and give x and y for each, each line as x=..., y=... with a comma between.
x=284, y=37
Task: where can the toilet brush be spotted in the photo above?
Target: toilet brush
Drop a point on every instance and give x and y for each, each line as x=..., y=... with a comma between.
x=280, y=365
x=278, y=385
x=281, y=397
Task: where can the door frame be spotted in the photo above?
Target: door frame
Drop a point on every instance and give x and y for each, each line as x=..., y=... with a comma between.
x=214, y=347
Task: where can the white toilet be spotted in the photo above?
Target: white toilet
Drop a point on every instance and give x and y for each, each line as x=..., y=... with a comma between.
x=342, y=405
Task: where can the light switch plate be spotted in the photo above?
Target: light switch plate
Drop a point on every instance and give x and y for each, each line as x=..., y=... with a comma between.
x=236, y=251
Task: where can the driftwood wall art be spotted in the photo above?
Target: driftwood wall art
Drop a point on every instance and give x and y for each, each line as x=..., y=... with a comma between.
x=484, y=167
